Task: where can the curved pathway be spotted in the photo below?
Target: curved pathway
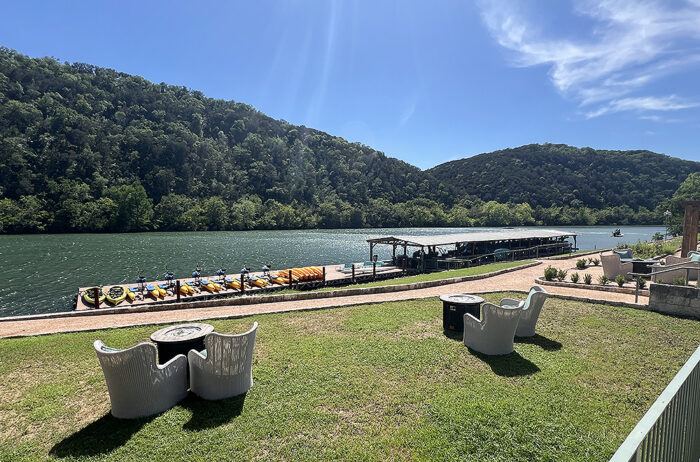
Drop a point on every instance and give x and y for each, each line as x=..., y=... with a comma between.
x=516, y=280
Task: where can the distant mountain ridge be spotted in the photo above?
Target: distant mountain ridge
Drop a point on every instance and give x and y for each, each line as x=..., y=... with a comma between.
x=89, y=149
x=558, y=174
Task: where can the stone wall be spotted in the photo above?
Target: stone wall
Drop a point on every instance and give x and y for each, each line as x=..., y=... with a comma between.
x=675, y=300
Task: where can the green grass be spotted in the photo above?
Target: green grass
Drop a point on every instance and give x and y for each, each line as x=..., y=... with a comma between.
x=371, y=382
x=474, y=270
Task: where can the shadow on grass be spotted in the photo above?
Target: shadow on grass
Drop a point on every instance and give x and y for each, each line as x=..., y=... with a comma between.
x=210, y=414
x=510, y=365
x=100, y=437
x=540, y=341
x=453, y=335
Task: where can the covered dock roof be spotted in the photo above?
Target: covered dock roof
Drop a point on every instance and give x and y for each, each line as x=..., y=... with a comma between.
x=462, y=238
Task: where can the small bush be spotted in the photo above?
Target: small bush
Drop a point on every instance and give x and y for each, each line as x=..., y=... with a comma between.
x=679, y=281
x=596, y=262
x=603, y=280
x=561, y=275
x=587, y=278
x=590, y=260
x=550, y=273
x=657, y=236
x=574, y=277
x=581, y=264
x=620, y=279
x=641, y=282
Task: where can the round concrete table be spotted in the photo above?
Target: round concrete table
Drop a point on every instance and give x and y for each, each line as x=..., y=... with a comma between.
x=180, y=339
x=455, y=305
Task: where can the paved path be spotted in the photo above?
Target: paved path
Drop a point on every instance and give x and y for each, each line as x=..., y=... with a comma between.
x=516, y=280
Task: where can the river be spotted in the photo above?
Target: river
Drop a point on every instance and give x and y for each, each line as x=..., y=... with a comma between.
x=41, y=273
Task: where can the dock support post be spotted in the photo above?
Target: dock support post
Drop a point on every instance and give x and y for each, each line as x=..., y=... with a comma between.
x=374, y=270
x=177, y=289
x=96, y=295
x=371, y=251
x=242, y=283
x=290, y=279
x=353, y=274
x=404, y=265
x=324, y=277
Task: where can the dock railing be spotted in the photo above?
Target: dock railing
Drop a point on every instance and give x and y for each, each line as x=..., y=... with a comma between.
x=670, y=430
x=687, y=266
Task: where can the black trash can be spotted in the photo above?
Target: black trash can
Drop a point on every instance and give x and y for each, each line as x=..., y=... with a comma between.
x=453, y=309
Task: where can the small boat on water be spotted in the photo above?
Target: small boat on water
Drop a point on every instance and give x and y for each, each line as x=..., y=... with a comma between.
x=88, y=296
x=116, y=294
x=617, y=233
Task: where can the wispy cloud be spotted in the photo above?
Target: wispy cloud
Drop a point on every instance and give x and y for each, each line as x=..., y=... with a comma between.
x=628, y=45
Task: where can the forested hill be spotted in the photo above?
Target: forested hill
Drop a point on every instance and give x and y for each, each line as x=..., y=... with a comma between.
x=80, y=144
x=557, y=174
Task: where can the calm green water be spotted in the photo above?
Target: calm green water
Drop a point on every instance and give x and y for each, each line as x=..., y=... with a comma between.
x=41, y=273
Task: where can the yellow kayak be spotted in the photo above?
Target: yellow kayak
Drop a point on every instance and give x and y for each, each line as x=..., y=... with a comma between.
x=206, y=285
x=131, y=293
x=161, y=289
x=257, y=281
x=217, y=287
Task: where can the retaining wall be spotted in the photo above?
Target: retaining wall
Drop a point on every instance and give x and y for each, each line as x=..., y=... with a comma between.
x=676, y=300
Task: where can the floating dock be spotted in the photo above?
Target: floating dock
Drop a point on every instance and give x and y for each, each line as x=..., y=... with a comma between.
x=335, y=275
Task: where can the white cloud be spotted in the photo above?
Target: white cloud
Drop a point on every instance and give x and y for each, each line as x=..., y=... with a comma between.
x=629, y=44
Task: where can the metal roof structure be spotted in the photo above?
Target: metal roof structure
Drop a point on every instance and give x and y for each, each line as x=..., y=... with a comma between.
x=462, y=238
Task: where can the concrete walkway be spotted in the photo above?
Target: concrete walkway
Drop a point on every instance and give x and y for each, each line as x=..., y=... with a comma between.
x=517, y=280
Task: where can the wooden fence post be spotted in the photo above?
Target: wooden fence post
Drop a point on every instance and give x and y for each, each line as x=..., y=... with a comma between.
x=177, y=289
x=353, y=274
x=96, y=294
x=290, y=279
x=374, y=270
x=324, y=277
x=242, y=283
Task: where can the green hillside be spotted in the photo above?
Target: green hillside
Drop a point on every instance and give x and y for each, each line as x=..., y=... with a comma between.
x=557, y=174
x=88, y=149
x=80, y=145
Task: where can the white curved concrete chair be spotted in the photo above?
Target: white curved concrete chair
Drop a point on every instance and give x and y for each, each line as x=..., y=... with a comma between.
x=226, y=367
x=494, y=334
x=138, y=386
x=531, y=308
x=612, y=266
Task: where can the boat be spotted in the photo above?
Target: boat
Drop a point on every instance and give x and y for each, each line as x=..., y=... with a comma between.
x=153, y=291
x=206, y=285
x=116, y=294
x=88, y=296
x=617, y=233
x=185, y=289
x=190, y=286
x=162, y=289
x=256, y=281
x=217, y=286
x=233, y=283
x=131, y=293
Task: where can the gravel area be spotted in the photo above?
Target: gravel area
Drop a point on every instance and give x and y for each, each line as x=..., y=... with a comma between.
x=517, y=280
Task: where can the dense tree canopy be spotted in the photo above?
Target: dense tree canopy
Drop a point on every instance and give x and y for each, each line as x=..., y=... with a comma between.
x=83, y=148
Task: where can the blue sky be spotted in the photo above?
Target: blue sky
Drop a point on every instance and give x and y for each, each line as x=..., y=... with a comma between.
x=426, y=82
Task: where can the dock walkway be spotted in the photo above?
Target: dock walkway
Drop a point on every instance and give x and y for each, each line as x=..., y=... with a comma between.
x=520, y=280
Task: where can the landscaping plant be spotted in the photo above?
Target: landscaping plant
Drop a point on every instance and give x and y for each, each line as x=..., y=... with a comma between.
x=587, y=278
x=581, y=263
x=550, y=273
x=561, y=275
x=679, y=281
x=620, y=279
x=641, y=282
x=603, y=280
x=574, y=277
x=596, y=262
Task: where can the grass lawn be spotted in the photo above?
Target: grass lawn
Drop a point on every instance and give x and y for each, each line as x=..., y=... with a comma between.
x=474, y=270
x=371, y=382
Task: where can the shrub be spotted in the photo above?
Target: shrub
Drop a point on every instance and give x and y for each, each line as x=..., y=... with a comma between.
x=596, y=262
x=603, y=280
x=561, y=275
x=620, y=279
x=679, y=281
x=587, y=278
x=590, y=260
x=657, y=236
x=641, y=282
x=581, y=264
x=550, y=273
x=574, y=277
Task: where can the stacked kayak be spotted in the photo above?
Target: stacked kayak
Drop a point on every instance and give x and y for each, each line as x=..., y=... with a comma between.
x=116, y=294
x=307, y=273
